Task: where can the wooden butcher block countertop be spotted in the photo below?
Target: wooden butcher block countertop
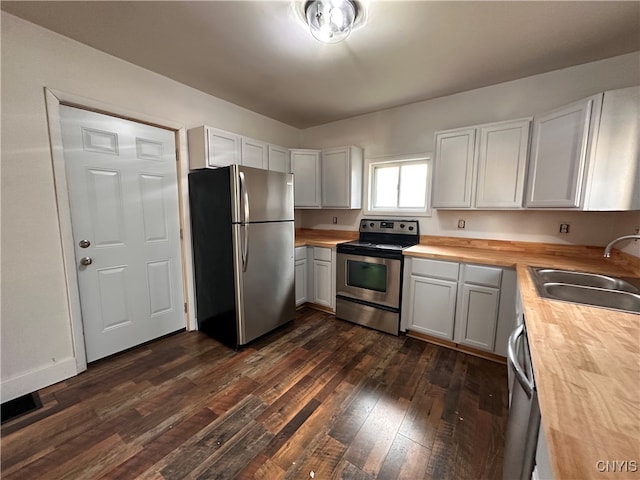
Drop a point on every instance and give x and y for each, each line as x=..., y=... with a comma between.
x=323, y=238
x=586, y=360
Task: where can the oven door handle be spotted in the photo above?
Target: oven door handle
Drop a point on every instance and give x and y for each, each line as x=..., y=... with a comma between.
x=512, y=359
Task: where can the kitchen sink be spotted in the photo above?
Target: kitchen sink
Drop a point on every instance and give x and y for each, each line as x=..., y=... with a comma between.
x=588, y=288
x=549, y=275
x=594, y=296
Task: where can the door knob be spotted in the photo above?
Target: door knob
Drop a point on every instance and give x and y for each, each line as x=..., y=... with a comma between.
x=86, y=261
x=84, y=243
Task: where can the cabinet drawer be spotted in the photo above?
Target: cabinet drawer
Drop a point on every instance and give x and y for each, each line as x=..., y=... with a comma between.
x=321, y=253
x=435, y=268
x=479, y=275
x=301, y=253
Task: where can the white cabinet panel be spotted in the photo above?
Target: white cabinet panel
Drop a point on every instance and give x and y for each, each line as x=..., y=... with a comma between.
x=502, y=161
x=477, y=316
x=432, y=306
x=507, y=311
x=211, y=147
x=321, y=253
x=279, y=159
x=482, y=275
x=254, y=153
x=342, y=177
x=300, y=253
x=321, y=266
x=322, y=274
x=301, y=275
x=453, y=168
x=435, y=268
x=223, y=148
x=559, y=154
x=305, y=166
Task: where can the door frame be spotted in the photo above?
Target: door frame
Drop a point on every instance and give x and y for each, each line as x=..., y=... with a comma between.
x=53, y=100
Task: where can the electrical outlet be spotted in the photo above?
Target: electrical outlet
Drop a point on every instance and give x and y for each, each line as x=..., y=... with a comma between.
x=334, y=220
x=564, y=228
x=461, y=223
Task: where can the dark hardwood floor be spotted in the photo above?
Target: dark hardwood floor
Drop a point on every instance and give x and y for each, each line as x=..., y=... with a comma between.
x=319, y=398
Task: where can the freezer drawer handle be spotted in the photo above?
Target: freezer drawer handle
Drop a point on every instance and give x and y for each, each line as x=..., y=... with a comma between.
x=512, y=358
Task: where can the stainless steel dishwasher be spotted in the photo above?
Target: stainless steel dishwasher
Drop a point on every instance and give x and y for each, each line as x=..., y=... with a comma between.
x=524, y=413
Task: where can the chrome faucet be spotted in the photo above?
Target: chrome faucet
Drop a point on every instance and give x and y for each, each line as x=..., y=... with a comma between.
x=607, y=249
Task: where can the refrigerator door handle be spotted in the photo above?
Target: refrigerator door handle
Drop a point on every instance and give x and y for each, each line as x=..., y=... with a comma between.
x=512, y=359
x=245, y=249
x=245, y=198
x=245, y=222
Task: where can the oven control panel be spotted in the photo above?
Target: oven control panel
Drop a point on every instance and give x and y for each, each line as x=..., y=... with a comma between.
x=405, y=227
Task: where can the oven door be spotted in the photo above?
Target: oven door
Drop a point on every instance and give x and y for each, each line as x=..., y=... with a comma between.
x=372, y=279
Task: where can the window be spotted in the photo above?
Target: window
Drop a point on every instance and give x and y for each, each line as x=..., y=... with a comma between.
x=399, y=186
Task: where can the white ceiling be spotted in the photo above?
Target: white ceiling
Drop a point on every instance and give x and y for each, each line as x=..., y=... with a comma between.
x=258, y=55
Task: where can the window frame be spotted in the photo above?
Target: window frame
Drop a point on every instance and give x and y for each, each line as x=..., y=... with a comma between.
x=375, y=162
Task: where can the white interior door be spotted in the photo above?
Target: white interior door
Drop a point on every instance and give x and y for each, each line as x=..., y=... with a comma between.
x=124, y=212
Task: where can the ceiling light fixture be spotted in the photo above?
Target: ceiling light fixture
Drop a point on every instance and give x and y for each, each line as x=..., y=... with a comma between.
x=331, y=21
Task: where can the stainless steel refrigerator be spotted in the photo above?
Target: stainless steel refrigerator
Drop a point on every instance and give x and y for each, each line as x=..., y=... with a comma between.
x=243, y=249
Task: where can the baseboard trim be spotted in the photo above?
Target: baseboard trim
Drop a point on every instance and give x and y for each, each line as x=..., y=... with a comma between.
x=494, y=357
x=39, y=378
x=322, y=308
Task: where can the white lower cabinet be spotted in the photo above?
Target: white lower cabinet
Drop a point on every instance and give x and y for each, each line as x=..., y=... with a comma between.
x=433, y=306
x=301, y=275
x=462, y=303
x=478, y=302
x=322, y=283
x=323, y=277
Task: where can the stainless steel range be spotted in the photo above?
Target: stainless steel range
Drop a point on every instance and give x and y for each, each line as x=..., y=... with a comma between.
x=369, y=273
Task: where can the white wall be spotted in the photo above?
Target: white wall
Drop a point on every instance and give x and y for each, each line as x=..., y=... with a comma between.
x=410, y=129
x=36, y=339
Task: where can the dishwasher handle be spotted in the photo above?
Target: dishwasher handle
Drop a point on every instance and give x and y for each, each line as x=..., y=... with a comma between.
x=512, y=359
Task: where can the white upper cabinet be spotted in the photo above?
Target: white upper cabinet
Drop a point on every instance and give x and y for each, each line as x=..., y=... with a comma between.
x=502, y=163
x=211, y=147
x=279, y=159
x=453, y=168
x=482, y=166
x=305, y=166
x=330, y=178
x=586, y=155
x=342, y=177
x=559, y=154
x=613, y=175
x=254, y=153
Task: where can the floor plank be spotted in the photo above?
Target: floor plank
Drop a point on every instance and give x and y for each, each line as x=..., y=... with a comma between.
x=319, y=396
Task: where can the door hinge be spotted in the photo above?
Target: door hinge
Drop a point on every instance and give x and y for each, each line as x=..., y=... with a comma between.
x=181, y=235
x=185, y=307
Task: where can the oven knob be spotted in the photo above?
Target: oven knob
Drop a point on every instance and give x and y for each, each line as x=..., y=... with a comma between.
x=410, y=228
x=402, y=225
x=364, y=225
x=371, y=224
